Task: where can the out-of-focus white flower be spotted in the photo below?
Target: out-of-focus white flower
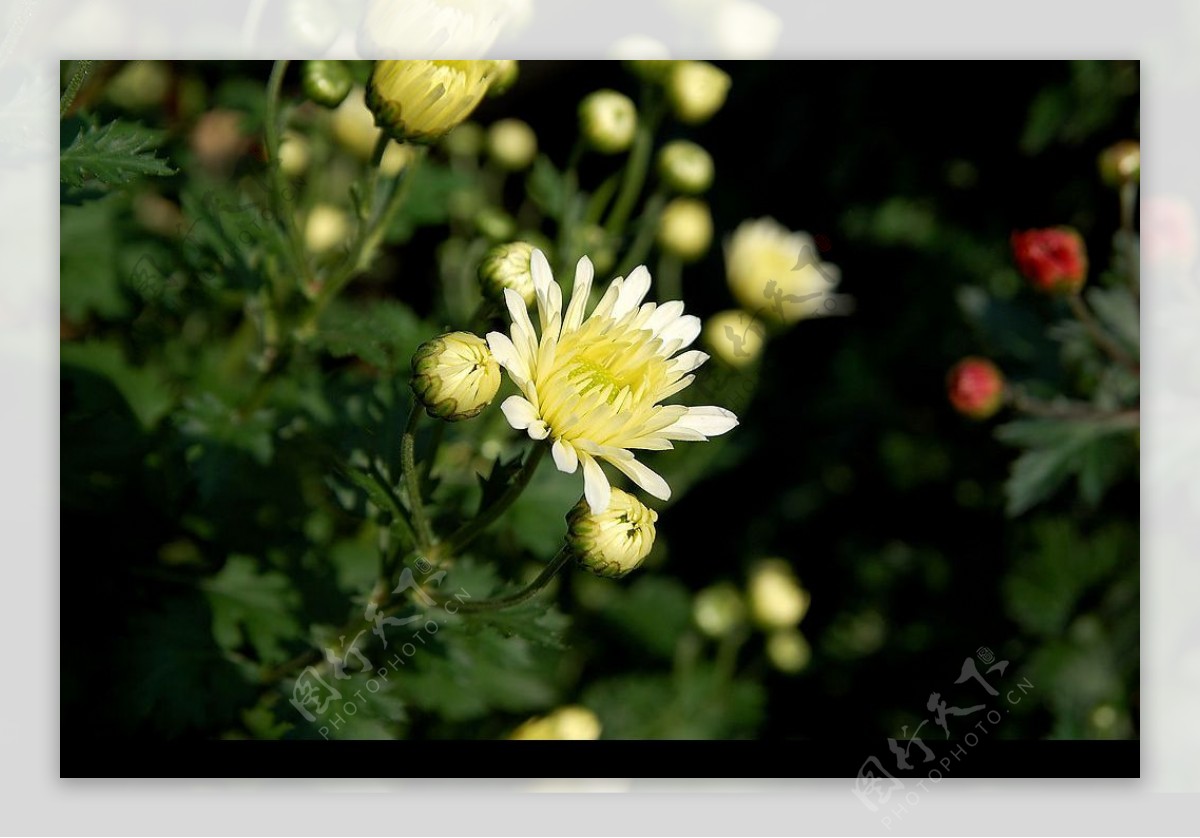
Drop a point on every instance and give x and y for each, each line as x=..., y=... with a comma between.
x=512, y=144
x=685, y=229
x=571, y=722
x=735, y=337
x=776, y=274
x=437, y=28
x=326, y=228
x=745, y=29
x=776, y=599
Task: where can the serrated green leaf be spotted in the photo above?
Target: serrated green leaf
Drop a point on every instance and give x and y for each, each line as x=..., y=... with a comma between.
x=253, y=607
x=112, y=154
x=384, y=334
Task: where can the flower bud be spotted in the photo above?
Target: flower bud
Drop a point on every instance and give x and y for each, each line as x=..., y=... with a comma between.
x=653, y=70
x=685, y=167
x=696, y=90
x=504, y=77
x=776, y=599
x=507, y=266
x=139, y=85
x=294, y=154
x=464, y=141
x=455, y=376
x=1053, y=260
x=718, y=610
x=570, y=722
x=776, y=273
x=608, y=121
x=512, y=144
x=495, y=223
x=326, y=82
x=326, y=228
x=419, y=101
x=395, y=158
x=788, y=651
x=614, y=542
x=735, y=337
x=354, y=127
x=1121, y=163
x=975, y=387
x=685, y=229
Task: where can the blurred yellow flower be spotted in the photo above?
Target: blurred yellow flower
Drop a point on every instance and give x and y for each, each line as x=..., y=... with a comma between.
x=776, y=599
x=326, y=228
x=735, y=337
x=776, y=274
x=788, y=651
x=570, y=722
x=685, y=229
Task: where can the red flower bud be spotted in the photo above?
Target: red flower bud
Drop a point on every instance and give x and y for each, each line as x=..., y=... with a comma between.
x=1054, y=260
x=975, y=387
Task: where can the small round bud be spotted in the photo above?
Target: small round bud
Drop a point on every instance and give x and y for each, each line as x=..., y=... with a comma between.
x=464, y=141
x=294, y=154
x=571, y=722
x=788, y=651
x=1053, y=260
x=396, y=158
x=504, y=77
x=608, y=121
x=735, y=337
x=1121, y=163
x=512, y=144
x=975, y=387
x=354, y=126
x=696, y=90
x=652, y=70
x=615, y=541
x=139, y=85
x=420, y=101
x=685, y=167
x=326, y=228
x=326, y=82
x=776, y=599
x=507, y=266
x=495, y=223
x=455, y=376
x=719, y=610
x=685, y=229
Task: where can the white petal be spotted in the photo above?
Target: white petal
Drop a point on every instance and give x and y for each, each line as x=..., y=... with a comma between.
x=519, y=412
x=685, y=330
x=549, y=295
x=539, y=429
x=539, y=269
x=645, y=477
x=688, y=361
x=507, y=356
x=633, y=291
x=584, y=272
x=710, y=421
x=523, y=335
x=604, y=307
x=565, y=456
x=664, y=316
x=595, y=485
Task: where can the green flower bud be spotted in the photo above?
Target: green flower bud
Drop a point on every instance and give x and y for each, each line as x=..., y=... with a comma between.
x=718, y=610
x=464, y=141
x=685, y=229
x=614, y=542
x=326, y=82
x=653, y=70
x=504, y=77
x=776, y=599
x=685, y=167
x=420, y=101
x=139, y=85
x=608, y=121
x=495, y=223
x=455, y=376
x=788, y=651
x=512, y=144
x=696, y=90
x=294, y=154
x=1121, y=163
x=507, y=266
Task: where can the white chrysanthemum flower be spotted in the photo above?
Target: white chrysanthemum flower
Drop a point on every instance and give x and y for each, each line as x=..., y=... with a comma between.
x=594, y=385
x=777, y=274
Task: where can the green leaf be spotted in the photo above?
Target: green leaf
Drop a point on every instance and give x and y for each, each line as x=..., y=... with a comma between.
x=254, y=608
x=113, y=154
x=654, y=613
x=384, y=334
x=546, y=186
x=1118, y=311
x=429, y=198
x=88, y=275
x=144, y=387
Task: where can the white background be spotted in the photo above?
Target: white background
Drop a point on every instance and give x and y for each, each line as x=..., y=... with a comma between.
x=36, y=33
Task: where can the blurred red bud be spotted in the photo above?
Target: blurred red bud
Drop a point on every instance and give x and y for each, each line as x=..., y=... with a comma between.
x=975, y=387
x=1053, y=260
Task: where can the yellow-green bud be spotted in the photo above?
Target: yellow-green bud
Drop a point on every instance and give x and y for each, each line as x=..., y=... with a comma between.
x=354, y=127
x=696, y=90
x=608, y=121
x=685, y=229
x=718, y=610
x=293, y=154
x=512, y=144
x=685, y=167
x=326, y=82
x=420, y=101
x=615, y=541
x=455, y=376
x=507, y=266
x=776, y=599
x=495, y=223
x=504, y=77
x=1121, y=163
x=788, y=651
x=464, y=141
x=395, y=158
x=735, y=337
x=139, y=85
x=326, y=228
x=653, y=70
x=570, y=722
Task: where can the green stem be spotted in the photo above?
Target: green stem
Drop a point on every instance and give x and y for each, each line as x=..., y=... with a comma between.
x=468, y=531
x=570, y=183
x=412, y=479
x=82, y=71
x=396, y=507
x=600, y=199
x=1128, y=198
x=272, y=132
x=648, y=227
x=1101, y=337
x=669, y=278
x=1066, y=409
x=636, y=169
x=548, y=573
